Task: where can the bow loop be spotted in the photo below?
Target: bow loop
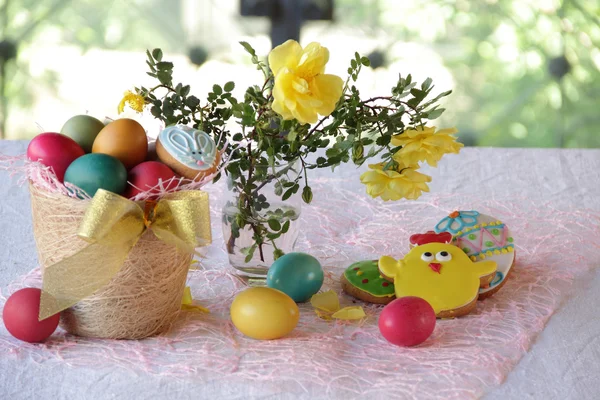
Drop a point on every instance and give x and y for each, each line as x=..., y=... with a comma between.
x=182, y=219
x=111, y=217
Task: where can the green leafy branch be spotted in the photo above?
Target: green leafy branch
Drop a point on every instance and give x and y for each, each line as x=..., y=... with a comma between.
x=266, y=149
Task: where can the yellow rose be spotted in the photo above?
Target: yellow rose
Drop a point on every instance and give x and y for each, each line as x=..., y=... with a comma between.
x=394, y=185
x=425, y=144
x=135, y=101
x=302, y=90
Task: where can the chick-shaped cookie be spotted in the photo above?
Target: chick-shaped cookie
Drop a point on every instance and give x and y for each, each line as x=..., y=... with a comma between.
x=440, y=273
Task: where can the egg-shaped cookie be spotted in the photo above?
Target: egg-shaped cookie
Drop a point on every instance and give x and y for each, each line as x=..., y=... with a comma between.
x=482, y=237
x=189, y=152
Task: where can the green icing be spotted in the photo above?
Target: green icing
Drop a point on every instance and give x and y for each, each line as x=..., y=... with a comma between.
x=509, y=239
x=472, y=236
x=466, y=250
x=496, y=231
x=370, y=271
x=489, y=244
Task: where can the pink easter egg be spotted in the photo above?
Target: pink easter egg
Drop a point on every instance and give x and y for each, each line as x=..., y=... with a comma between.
x=54, y=150
x=20, y=316
x=407, y=321
x=146, y=176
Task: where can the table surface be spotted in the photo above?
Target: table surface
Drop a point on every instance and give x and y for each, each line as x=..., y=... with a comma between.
x=561, y=364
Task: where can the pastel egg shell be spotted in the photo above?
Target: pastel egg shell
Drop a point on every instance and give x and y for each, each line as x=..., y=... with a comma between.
x=97, y=171
x=83, y=129
x=299, y=275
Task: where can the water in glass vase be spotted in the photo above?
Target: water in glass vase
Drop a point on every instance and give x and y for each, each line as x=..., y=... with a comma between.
x=237, y=247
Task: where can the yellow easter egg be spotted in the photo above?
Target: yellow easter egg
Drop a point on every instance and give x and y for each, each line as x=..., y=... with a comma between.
x=264, y=313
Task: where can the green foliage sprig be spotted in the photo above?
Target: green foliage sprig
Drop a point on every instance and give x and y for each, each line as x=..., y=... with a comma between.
x=261, y=142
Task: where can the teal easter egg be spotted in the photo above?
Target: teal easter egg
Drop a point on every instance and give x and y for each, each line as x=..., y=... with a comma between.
x=83, y=129
x=97, y=171
x=299, y=275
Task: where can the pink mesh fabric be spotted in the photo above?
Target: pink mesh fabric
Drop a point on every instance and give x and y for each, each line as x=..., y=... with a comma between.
x=462, y=359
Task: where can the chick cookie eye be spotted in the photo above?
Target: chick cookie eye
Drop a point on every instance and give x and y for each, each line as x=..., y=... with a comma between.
x=443, y=256
x=427, y=256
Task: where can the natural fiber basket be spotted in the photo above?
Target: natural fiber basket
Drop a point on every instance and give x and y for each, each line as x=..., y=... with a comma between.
x=142, y=300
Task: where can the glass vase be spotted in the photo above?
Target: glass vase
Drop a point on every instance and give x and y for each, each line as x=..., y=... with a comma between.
x=267, y=210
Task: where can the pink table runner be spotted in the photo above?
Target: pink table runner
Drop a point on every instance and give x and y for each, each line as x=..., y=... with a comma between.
x=462, y=359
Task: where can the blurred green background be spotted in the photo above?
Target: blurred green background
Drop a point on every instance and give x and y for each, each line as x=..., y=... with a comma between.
x=524, y=73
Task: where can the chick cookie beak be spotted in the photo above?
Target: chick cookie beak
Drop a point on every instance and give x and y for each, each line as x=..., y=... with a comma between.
x=435, y=267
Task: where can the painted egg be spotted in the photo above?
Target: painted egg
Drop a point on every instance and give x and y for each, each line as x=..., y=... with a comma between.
x=124, y=139
x=97, y=171
x=54, y=150
x=147, y=176
x=20, y=316
x=407, y=321
x=83, y=129
x=299, y=275
x=189, y=152
x=264, y=313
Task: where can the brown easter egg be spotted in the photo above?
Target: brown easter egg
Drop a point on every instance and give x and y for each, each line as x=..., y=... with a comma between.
x=124, y=139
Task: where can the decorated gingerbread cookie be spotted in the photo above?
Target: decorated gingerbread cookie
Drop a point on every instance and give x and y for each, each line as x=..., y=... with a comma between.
x=440, y=273
x=189, y=152
x=482, y=237
x=363, y=281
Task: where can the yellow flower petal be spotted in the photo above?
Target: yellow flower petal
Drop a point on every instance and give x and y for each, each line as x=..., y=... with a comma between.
x=350, y=313
x=121, y=107
x=326, y=315
x=328, y=88
x=327, y=307
x=135, y=101
x=425, y=144
x=285, y=55
x=302, y=90
x=313, y=59
x=394, y=185
x=326, y=301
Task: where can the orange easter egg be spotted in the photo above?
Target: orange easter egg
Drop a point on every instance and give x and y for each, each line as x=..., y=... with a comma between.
x=124, y=139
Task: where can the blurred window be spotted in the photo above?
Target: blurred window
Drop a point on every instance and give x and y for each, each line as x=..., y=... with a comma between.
x=524, y=73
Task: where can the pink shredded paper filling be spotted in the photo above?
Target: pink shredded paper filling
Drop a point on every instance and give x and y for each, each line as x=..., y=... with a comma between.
x=462, y=359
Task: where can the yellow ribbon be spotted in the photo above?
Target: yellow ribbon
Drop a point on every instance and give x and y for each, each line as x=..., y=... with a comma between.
x=112, y=225
x=187, y=302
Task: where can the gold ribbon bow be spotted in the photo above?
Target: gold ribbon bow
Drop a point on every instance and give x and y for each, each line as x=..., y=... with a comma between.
x=112, y=225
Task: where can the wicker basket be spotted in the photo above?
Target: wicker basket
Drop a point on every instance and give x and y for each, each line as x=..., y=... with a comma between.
x=142, y=300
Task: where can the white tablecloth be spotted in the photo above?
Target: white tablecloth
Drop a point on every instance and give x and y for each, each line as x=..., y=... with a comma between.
x=562, y=364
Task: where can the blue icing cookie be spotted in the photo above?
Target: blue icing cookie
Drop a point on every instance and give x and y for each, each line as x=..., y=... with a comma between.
x=192, y=148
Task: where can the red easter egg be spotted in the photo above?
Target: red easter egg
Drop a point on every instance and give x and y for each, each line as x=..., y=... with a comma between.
x=20, y=316
x=146, y=176
x=407, y=321
x=54, y=150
